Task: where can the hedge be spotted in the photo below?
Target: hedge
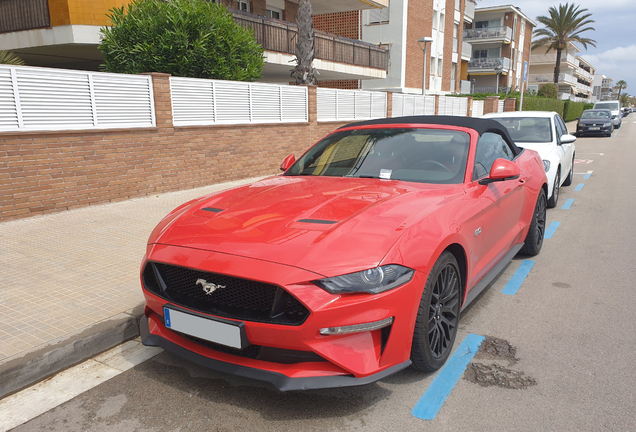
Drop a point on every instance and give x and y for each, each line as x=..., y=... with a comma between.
x=588, y=106
x=573, y=110
x=535, y=103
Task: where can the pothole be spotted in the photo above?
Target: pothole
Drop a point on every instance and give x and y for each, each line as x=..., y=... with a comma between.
x=497, y=349
x=495, y=375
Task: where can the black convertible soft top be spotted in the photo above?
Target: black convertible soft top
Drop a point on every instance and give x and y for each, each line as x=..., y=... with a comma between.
x=480, y=125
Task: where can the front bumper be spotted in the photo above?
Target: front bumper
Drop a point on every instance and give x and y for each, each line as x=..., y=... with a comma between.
x=593, y=130
x=326, y=360
x=279, y=380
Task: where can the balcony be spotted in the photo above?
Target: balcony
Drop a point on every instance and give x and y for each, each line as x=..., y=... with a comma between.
x=467, y=51
x=584, y=88
x=537, y=59
x=488, y=34
x=17, y=15
x=469, y=12
x=488, y=64
x=278, y=39
x=583, y=73
x=548, y=78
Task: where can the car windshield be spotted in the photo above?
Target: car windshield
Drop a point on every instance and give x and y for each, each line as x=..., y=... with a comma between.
x=595, y=115
x=415, y=155
x=528, y=129
x=609, y=106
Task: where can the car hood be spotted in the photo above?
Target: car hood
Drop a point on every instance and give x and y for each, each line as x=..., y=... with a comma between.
x=327, y=225
x=544, y=149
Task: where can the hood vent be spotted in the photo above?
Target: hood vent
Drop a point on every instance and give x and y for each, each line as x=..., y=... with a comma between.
x=318, y=221
x=212, y=209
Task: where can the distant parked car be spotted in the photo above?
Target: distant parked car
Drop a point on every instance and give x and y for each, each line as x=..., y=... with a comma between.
x=625, y=111
x=546, y=133
x=615, y=108
x=595, y=122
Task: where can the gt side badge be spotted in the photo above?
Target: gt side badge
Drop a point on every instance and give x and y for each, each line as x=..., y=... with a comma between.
x=477, y=231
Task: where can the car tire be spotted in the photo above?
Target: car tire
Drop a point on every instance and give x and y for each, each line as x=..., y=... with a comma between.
x=438, y=315
x=534, y=239
x=568, y=180
x=552, y=202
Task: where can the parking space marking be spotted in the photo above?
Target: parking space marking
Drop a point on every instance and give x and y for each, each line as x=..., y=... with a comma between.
x=440, y=388
x=567, y=204
x=583, y=161
x=586, y=175
x=579, y=187
x=551, y=229
x=517, y=279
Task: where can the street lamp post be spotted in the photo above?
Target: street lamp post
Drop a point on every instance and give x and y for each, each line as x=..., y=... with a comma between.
x=423, y=41
x=498, y=70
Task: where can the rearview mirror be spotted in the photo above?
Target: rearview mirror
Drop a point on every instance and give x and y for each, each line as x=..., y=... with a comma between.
x=289, y=161
x=567, y=139
x=502, y=169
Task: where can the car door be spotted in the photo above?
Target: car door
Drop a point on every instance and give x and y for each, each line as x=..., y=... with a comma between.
x=501, y=203
x=566, y=151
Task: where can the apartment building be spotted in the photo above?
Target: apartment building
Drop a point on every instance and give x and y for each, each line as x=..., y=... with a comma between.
x=500, y=40
x=576, y=75
x=65, y=34
x=603, y=88
x=399, y=26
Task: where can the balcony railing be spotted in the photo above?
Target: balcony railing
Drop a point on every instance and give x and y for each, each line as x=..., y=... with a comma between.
x=467, y=50
x=281, y=36
x=551, y=58
x=548, y=78
x=16, y=15
x=488, y=33
x=469, y=11
x=489, y=63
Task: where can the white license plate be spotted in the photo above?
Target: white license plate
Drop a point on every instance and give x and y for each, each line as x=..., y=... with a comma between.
x=595, y=128
x=203, y=328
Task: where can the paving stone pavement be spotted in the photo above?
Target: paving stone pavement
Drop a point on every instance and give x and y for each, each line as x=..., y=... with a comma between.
x=68, y=271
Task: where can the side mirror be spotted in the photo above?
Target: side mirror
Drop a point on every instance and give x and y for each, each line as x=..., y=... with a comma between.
x=567, y=139
x=502, y=169
x=288, y=162
x=576, y=118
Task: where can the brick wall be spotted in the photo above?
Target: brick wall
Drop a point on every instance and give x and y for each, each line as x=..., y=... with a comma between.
x=419, y=24
x=344, y=24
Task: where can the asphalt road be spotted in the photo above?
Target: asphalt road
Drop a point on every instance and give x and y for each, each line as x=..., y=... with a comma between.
x=571, y=323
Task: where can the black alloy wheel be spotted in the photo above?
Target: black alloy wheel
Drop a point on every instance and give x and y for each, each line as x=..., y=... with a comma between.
x=438, y=315
x=552, y=202
x=534, y=239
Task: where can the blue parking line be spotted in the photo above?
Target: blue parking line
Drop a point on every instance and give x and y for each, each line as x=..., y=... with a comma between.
x=587, y=176
x=440, y=388
x=579, y=187
x=551, y=229
x=567, y=204
x=517, y=279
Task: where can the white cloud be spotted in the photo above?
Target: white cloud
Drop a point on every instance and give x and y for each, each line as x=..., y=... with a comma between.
x=617, y=63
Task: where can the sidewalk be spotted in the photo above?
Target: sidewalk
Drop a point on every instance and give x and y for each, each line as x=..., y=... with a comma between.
x=69, y=283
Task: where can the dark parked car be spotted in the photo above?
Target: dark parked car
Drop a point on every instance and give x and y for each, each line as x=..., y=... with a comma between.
x=595, y=122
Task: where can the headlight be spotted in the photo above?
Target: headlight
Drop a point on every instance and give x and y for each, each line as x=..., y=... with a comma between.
x=546, y=165
x=372, y=281
x=607, y=124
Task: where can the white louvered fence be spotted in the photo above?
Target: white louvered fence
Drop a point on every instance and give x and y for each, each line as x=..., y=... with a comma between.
x=453, y=106
x=335, y=104
x=500, y=106
x=33, y=99
x=408, y=105
x=209, y=102
x=478, y=108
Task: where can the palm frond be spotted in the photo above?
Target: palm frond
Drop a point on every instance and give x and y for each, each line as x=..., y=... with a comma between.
x=10, y=58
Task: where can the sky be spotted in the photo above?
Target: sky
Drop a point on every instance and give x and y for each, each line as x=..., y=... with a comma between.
x=615, y=34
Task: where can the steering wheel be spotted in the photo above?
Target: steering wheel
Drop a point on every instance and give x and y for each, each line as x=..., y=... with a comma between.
x=422, y=164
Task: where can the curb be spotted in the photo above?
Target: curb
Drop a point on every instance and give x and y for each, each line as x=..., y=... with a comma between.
x=27, y=368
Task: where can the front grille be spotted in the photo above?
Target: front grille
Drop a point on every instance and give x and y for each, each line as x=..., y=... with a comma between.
x=240, y=299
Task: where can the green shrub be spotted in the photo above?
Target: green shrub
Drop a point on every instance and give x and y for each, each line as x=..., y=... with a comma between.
x=572, y=110
x=548, y=90
x=188, y=38
x=535, y=103
x=588, y=106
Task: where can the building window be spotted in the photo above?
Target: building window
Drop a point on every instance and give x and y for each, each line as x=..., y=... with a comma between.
x=376, y=16
x=433, y=66
x=273, y=12
x=442, y=19
x=244, y=6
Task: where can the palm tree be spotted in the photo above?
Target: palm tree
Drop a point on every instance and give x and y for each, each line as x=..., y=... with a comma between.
x=9, y=58
x=624, y=99
x=564, y=25
x=304, y=70
x=620, y=85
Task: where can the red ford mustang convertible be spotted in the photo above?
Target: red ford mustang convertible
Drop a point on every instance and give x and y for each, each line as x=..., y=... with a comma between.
x=354, y=263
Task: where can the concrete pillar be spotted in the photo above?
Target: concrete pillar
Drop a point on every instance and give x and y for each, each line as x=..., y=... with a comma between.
x=389, y=104
x=469, y=112
x=491, y=104
x=510, y=104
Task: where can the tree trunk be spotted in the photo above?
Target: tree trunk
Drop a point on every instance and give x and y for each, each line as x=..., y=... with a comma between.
x=304, y=70
x=557, y=70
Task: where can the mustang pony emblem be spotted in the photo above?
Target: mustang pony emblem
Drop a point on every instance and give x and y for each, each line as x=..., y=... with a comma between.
x=208, y=287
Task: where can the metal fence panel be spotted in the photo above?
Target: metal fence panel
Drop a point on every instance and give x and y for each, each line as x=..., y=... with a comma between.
x=208, y=102
x=478, y=108
x=408, y=105
x=335, y=104
x=34, y=99
x=500, y=106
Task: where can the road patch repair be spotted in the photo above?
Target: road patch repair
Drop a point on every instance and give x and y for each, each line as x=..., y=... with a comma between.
x=488, y=373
